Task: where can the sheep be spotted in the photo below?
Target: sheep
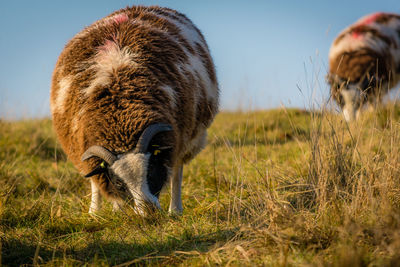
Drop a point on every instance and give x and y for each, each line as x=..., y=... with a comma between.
x=132, y=97
x=364, y=62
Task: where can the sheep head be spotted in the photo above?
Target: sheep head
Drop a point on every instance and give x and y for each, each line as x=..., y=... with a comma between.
x=352, y=95
x=347, y=95
x=139, y=172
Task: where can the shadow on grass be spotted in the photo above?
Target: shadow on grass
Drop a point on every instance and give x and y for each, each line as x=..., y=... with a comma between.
x=169, y=251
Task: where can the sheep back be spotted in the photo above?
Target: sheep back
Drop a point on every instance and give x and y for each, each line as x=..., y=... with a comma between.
x=370, y=47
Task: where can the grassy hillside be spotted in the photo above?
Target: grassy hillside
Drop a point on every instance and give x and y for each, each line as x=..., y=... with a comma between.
x=279, y=187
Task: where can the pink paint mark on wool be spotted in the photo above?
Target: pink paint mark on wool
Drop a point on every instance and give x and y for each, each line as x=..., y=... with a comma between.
x=120, y=18
x=358, y=32
x=371, y=18
x=107, y=46
x=356, y=35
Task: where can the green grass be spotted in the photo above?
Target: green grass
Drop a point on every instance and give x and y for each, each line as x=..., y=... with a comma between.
x=276, y=188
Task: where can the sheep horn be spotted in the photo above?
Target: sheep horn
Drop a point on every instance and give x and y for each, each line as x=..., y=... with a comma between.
x=149, y=133
x=100, y=152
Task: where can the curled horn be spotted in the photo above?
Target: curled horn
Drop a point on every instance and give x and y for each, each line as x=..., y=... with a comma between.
x=100, y=152
x=149, y=133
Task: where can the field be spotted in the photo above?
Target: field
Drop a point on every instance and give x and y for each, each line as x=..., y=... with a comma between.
x=283, y=187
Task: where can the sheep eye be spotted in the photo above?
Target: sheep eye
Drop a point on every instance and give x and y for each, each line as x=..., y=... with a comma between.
x=101, y=168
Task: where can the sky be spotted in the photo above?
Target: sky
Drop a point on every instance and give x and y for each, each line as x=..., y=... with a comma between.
x=267, y=54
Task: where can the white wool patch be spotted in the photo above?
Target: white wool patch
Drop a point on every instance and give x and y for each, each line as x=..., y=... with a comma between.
x=75, y=121
x=187, y=30
x=349, y=43
x=196, y=67
x=108, y=59
x=132, y=169
x=171, y=93
x=64, y=86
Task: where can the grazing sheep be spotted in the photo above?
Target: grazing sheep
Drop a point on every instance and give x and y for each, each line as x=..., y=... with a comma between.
x=364, y=62
x=132, y=96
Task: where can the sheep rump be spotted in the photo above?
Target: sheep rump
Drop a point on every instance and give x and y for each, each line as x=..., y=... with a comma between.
x=137, y=67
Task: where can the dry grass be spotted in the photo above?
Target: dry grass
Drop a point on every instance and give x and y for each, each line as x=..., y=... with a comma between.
x=276, y=188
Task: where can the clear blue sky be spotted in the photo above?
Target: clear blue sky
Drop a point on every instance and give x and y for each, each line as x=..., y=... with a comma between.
x=264, y=51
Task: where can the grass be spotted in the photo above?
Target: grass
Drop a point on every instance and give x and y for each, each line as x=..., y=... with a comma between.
x=282, y=187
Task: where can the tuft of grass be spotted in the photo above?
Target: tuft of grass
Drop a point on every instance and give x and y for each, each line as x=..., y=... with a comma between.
x=283, y=187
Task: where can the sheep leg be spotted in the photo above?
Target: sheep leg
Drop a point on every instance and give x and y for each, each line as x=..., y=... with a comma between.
x=95, y=204
x=176, y=198
x=352, y=98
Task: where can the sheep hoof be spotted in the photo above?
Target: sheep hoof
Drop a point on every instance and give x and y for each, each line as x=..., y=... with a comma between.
x=175, y=211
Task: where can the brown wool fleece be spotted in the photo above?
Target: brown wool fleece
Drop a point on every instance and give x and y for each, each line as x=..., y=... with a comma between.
x=95, y=104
